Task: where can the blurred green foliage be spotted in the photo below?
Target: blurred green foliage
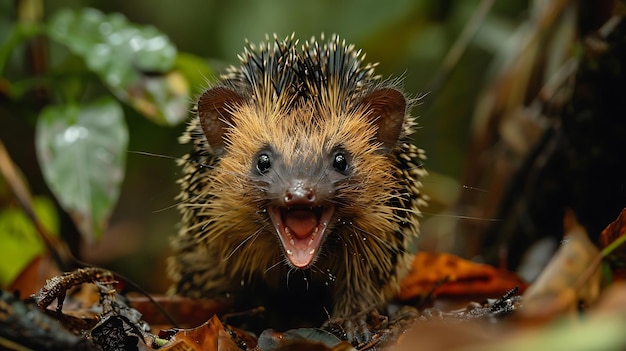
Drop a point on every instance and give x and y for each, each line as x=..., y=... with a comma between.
x=20, y=240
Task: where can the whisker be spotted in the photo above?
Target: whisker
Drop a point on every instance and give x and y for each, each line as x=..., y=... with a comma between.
x=242, y=243
x=193, y=201
x=288, y=273
x=257, y=234
x=475, y=189
x=145, y=153
x=274, y=266
x=166, y=208
x=464, y=217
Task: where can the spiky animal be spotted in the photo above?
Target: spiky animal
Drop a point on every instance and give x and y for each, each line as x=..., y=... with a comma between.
x=302, y=189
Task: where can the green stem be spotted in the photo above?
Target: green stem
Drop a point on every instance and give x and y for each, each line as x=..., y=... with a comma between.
x=613, y=246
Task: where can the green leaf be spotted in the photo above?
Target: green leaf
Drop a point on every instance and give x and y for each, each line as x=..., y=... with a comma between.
x=82, y=152
x=135, y=62
x=20, y=240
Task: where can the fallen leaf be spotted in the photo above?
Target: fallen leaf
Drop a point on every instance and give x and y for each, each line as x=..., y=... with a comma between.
x=209, y=336
x=558, y=288
x=448, y=275
x=34, y=276
x=184, y=310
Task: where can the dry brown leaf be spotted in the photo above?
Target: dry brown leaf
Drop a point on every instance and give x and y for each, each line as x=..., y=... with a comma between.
x=209, y=336
x=446, y=274
x=557, y=289
x=614, y=231
x=34, y=276
x=186, y=311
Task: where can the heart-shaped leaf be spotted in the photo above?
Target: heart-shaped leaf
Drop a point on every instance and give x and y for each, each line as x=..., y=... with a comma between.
x=82, y=152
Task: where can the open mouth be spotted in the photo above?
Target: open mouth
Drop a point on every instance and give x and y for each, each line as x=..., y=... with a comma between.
x=301, y=230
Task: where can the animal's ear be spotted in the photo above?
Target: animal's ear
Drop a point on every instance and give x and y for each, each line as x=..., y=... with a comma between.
x=386, y=107
x=215, y=108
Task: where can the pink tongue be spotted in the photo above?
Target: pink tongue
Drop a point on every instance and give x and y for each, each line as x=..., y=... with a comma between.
x=301, y=223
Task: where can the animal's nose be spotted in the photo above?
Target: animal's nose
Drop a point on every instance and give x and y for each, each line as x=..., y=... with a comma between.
x=300, y=194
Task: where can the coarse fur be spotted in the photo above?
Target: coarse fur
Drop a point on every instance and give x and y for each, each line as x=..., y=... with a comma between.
x=299, y=106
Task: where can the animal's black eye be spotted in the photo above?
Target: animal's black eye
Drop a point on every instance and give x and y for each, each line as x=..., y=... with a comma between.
x=263, y=163
x=340, y=163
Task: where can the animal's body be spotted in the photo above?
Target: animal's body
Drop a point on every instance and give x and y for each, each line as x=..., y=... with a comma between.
x=301, y=192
